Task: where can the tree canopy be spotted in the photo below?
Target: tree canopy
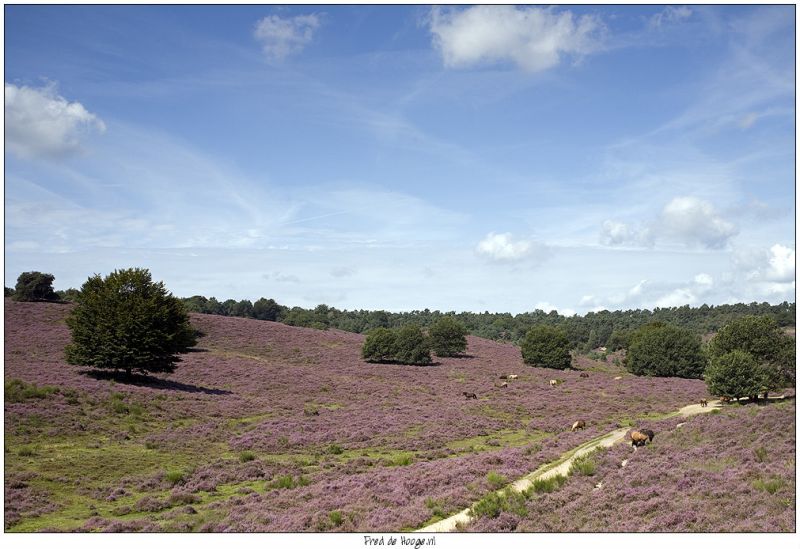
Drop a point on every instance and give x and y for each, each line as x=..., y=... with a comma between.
x=448, y=337
x=659, y=349
x=35, y=286
x=735, y=374
x=547, y=347
x=129, y=323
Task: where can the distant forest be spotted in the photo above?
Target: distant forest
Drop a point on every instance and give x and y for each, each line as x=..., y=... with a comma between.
x=595, y=329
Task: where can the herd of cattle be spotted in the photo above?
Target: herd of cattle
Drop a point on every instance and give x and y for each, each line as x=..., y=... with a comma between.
x=639, y=437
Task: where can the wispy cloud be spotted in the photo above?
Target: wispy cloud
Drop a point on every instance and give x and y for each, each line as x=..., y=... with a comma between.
x=503, y=247
x=283, y=37
x=41, y=123
x=534, y=39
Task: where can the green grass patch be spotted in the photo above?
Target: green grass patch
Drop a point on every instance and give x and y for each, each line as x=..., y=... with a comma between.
x=17, y=390
x=287, y=482
x=496, y=480
x=770, y=486
x=760, y=454
x=583, y=465
x=246, y=456
x=495, y=503
x=507, y=438
x=547, y=485
x=174, y=477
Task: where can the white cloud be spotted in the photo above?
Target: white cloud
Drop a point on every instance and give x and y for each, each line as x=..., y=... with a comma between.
x=774, y=265
x=281, y=37
x=670, y=15
x=503, y=247
x=695, y=221
x=781, y=264
x=676, y=298
x=41, y=123
x=548, y=307
x=532, y=38
x=615, y=233
x=704, y=279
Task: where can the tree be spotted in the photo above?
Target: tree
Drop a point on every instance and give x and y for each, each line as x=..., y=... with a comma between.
x=380, y=345
x=547, y=347
x=658, y=349
x=35, y=286
x=448, y=337
x=762, y=338
x=128, y=322
x=735, y=374
x=266, y=309
x=413, y=346
x=9, y=292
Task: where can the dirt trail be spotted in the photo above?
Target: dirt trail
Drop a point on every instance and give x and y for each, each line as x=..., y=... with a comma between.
x=562, y=465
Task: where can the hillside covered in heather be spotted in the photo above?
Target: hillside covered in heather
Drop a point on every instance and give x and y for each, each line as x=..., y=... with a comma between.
x=269, y=427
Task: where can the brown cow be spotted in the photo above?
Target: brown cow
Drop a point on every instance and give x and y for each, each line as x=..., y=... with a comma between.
x=504, y=376
x=470, y=395
x=725, y=399
x=703, y=403
x=638, y=439
x=650, y=434
x=580, y=424
x=584, y=374
x=309, y=412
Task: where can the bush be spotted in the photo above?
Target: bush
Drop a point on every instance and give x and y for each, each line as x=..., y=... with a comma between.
x=496, y=480
x=173, y=477
x=548, y=484
x=493, y=504
x=661, y=350
x=17, y=390
x=547, y=347
x=380, y=345
x=413, y=347
x=246, y=456
x=448, y=337
x=762, y=338
x=127, y=322
x=735, y=374
x=35, y=286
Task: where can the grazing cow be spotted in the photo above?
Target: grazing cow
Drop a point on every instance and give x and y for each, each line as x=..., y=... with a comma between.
x=553, y=382
x=580, y=424
x=470, y=395
x=650, y=434
x=703, y=403
x=725, y=399
x=512, y=376
x=638, y=439
x=310, y=412
x=617, y=378
x=501, y=385
x=584, y=374
x=504, y=376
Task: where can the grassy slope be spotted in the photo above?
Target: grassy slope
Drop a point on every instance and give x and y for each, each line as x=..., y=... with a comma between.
x=175, y=453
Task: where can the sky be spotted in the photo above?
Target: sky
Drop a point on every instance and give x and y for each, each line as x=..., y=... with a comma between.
x=469, y=158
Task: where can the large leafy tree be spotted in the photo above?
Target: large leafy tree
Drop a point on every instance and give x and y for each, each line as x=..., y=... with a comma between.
x=762, y=338
x=35, y=286
x=448, y=337
x=547, y=347
x=659, y=349
x=735, y=374
x=127, y=322
x=380, y=345
x=413, y=346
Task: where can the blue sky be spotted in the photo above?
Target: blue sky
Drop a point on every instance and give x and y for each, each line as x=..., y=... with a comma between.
x=500, y=158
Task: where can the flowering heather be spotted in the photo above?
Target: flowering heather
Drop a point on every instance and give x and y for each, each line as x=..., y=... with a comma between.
x=337, y=444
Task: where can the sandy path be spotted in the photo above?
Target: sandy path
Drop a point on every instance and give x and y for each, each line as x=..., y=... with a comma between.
x=562, y=465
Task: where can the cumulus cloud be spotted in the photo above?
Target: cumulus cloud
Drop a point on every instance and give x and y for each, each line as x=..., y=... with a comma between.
x=533, y=38
x=41, y=123
x=695, y=221
x=615, y=233
x=281, y=37
x=776, y=265
x=503, y=247
x=549, y=307
x=670, y=15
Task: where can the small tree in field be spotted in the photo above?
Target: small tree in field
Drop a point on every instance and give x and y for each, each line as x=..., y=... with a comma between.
x=735, y=374
x=413, y=346
x=448, y=337
x=380, y=345
x=547, y=347
x=35, y=286
x=126, y=322
x=658, y=349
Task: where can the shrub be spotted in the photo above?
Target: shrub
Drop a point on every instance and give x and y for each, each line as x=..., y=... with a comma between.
x=380, y=345
x=35, y=286
x=547, y=347
x=334, y=449
x=173, y=477
x=760, y=453
x=583, y=465
x=762, y=338
x=496, y=502
x=17, y=390
x=550, y=484
x=661, y=350
x=246, y=456
x=735, y=374
x=496, y=480
x=448, y=337
x=335, y=518
x=413, y=347
x=127, y=322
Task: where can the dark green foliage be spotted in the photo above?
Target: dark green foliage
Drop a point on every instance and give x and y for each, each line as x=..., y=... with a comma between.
x=68, y=295
x=547, y=347
x=618, y=340
x=667, y=351
x=761, y=337
x=267, y=309
x=494, y=503
x=35, y=286
x=735, y=374
x=380, y=345
x=413, y=346
x=127, y=322
x=9, y=291
x=448, y=337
